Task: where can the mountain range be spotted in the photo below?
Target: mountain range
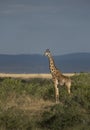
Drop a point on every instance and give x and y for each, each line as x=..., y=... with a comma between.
x=36, y=63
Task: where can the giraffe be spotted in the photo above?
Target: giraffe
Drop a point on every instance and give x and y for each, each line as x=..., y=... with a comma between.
x=57, y=77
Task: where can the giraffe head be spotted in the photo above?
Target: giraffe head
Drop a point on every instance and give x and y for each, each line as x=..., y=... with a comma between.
x=47, y=52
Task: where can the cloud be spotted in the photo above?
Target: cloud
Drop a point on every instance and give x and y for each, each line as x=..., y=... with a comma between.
x=34, y=7
x=24, y=8
x=14, y=9
x=9, y=8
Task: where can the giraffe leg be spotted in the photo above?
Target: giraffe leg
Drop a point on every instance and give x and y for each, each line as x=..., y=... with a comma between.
x=57, y=94
x=68, y=85
x=56, y=91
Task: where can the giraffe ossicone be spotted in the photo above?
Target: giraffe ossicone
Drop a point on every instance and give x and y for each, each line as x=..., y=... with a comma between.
x=57, y=76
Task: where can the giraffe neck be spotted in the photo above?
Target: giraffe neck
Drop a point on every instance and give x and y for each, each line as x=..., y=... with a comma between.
x=52, y=64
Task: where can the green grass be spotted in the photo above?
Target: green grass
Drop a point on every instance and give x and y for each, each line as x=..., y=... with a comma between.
x=30, y=105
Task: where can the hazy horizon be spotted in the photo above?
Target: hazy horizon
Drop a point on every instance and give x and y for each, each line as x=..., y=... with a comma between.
x=77, y=62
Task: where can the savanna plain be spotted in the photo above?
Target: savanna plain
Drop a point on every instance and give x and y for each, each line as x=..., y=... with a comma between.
x=28, y=103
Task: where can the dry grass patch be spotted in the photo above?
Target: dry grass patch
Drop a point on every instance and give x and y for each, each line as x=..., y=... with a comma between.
x=29, y=76
x=27, y=103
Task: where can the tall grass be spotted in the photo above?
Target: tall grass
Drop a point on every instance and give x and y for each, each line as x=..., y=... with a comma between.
x=30, y=105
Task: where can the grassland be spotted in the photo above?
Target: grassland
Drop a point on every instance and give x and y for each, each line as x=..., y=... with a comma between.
x=29, y=76
x=30, y=104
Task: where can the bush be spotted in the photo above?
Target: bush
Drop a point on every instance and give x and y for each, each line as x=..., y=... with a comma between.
x=14, y=119
x=20, y=111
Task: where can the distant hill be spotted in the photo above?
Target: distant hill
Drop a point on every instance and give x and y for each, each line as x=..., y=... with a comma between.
x=35, y=63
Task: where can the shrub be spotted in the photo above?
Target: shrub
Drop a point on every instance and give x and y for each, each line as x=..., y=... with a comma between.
x=19, y=112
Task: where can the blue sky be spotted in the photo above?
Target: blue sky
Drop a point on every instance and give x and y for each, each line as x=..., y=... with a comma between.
x=31, y=26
